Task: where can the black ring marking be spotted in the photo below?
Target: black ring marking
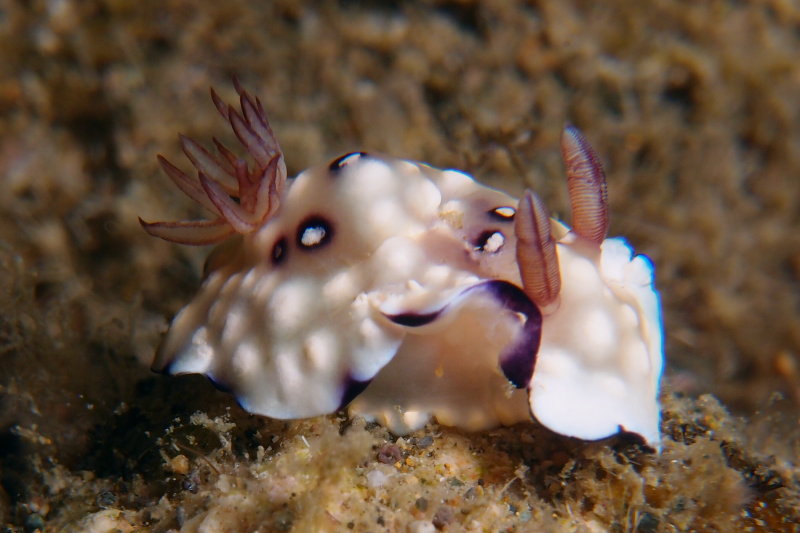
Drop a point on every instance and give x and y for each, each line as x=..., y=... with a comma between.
x=503, y=213
x=279, y=251
x=314, y=232
x=344, y=160
x=482, y=240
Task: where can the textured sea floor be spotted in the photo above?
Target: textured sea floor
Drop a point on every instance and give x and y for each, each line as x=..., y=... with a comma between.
x=693, y=107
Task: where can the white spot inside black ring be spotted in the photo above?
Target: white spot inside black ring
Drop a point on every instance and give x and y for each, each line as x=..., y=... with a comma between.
x=314, y=232
x=490, y=241
x=279, y=251
x=347, y=159
x=503, y=213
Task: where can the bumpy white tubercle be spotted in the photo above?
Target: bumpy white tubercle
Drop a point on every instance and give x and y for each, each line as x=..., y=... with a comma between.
x=599, y=364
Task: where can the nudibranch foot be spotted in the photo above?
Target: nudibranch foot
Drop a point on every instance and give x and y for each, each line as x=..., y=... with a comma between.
x=408, y=293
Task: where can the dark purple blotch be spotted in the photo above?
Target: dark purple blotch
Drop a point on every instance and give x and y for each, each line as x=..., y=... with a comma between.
x=414, y=320
x=518, y=359
x=351, y=388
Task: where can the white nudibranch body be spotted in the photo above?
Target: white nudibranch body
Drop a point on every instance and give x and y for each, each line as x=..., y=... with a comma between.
x=407, y=293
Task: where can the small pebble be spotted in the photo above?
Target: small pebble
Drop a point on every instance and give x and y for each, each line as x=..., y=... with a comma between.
x=444, y=515
x=421, y=526
x=283, y=521
x=106, y=499
x=648, y=523
x=376, y=478
x=389, y=454
x=179, y=464
x=425, y=441
x=190, y=485
x=34, y=522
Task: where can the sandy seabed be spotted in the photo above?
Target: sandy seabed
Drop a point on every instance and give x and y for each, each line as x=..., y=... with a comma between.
x=693, y=107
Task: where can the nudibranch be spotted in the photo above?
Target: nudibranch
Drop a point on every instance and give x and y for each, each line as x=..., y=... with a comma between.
x=408, y=293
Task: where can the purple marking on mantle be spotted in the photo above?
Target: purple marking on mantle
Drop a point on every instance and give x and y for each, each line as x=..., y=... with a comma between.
x=415, y=320
x=352, y=387
x=518, y=359
x=519, y=356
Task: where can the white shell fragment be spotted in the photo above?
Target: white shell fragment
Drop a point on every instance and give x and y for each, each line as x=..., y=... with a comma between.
x=394, y=288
